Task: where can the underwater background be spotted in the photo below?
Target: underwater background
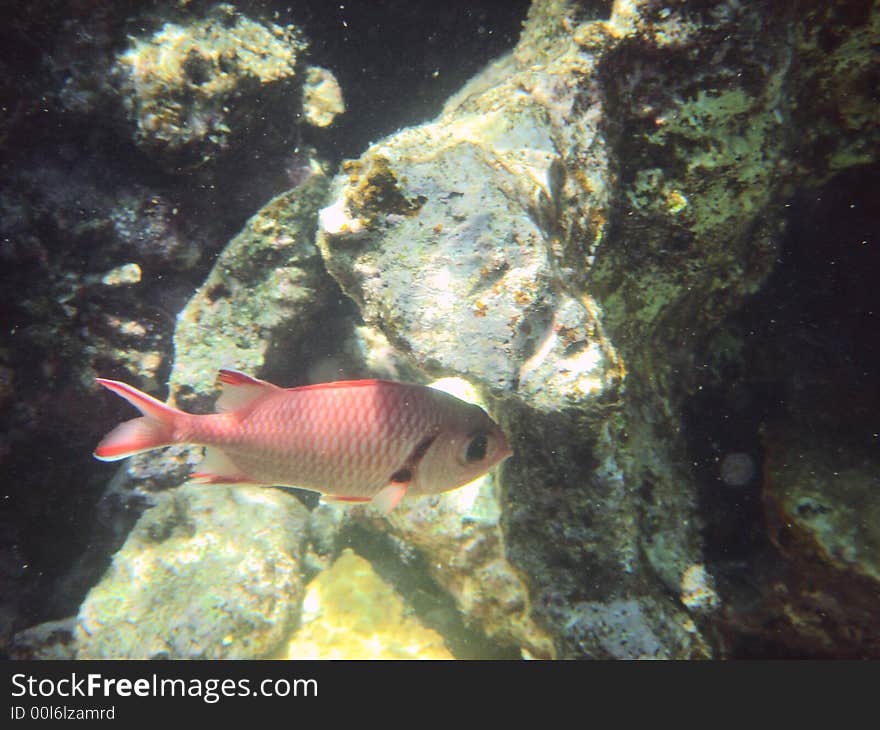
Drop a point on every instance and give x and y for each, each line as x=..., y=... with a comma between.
x=642, y=234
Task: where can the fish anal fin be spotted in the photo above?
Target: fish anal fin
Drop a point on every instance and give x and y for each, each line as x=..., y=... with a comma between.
x=384, y=500
x=217, y=468
x=239, y=390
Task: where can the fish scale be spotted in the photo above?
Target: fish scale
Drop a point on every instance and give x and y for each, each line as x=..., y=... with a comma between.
x=349, y=440
x=288, y=433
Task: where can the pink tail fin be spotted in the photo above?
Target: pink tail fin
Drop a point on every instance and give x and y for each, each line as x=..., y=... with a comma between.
x=152, y=431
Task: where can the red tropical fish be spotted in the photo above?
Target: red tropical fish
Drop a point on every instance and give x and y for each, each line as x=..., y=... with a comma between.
x=353, y=440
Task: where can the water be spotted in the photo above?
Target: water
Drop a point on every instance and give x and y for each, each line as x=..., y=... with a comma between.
x=645, y=241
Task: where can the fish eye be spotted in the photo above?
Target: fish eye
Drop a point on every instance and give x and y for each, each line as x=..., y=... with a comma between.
x=477, y=448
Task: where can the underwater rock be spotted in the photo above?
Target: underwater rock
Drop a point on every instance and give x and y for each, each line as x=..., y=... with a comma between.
x=629, y=629
x=440, y=235
x=191, y=88
x=579, y=215
x=120, y=276
x=322, y=97
x=582, y=522
x=50, y=640
x=262, y=290
x=461, y=537
x=823, y=514
x=698, y=589
x=205, y=574
x=349, y=612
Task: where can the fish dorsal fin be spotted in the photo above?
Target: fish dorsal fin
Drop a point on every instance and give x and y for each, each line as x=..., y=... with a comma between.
x=239, y=390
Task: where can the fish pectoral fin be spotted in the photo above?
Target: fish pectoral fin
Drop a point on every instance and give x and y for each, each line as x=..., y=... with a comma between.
x=389, y=497
x=384, y=500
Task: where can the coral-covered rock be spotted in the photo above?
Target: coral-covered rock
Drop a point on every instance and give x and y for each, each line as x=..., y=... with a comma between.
x=191, y=88
x=576, y=219
x=206, y=574
x=265, y=286
x=322, y=97
x=443, y=234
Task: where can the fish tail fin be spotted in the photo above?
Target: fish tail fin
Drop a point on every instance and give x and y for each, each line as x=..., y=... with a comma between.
x=151, y=431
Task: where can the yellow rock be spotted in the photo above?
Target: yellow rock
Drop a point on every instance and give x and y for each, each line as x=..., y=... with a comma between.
x=349, y=612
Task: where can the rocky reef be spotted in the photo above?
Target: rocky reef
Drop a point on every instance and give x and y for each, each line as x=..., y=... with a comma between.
x=590, y=239
x=349, y=612
x=205, y=574
x=268, y=279
x=565, y=234
x=190, y=88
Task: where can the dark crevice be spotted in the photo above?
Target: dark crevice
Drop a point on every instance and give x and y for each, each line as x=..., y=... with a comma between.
x=803, y=356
